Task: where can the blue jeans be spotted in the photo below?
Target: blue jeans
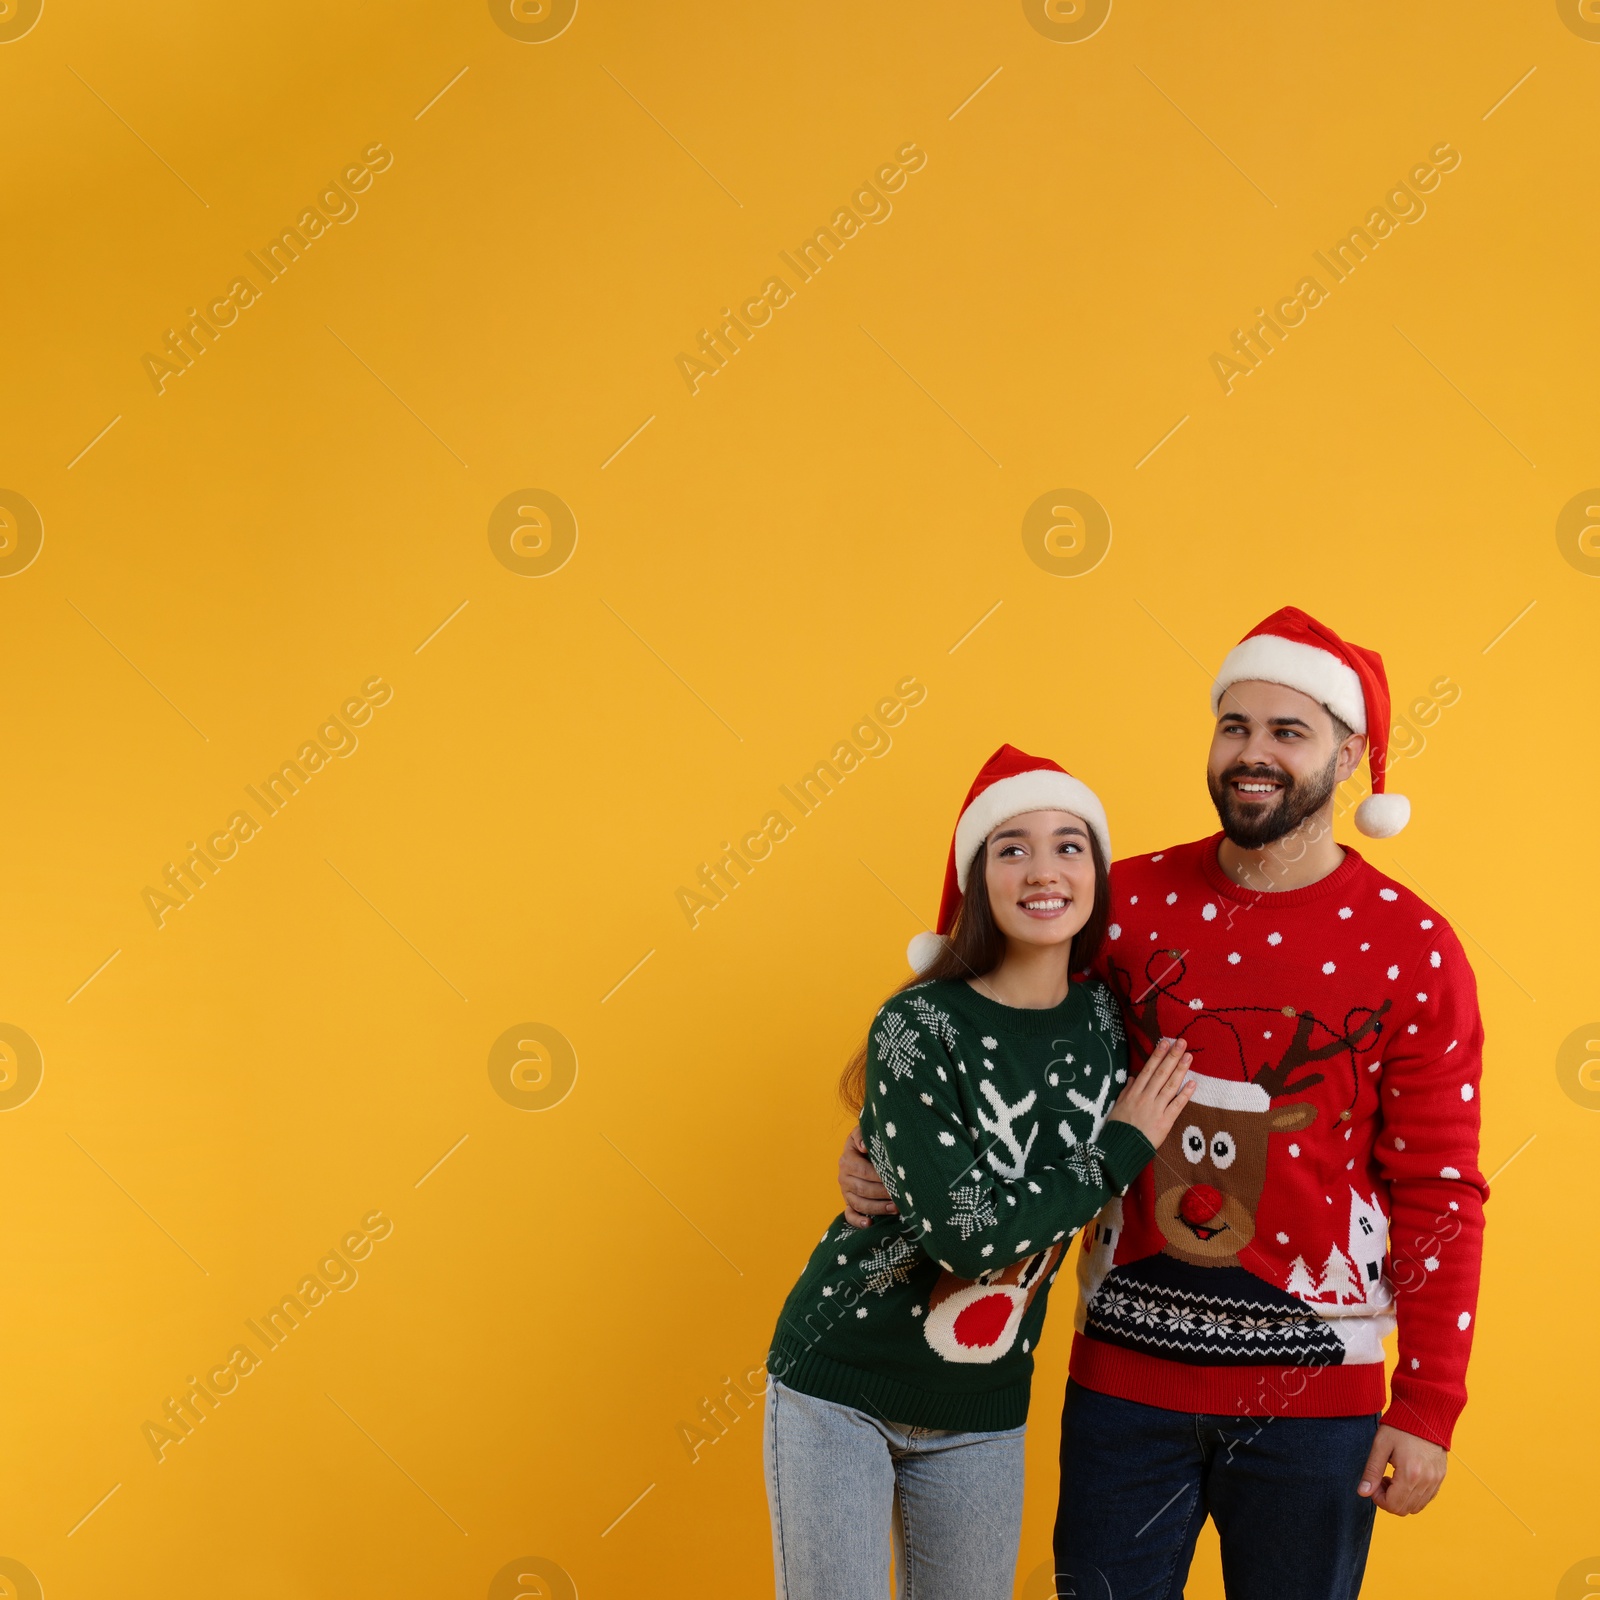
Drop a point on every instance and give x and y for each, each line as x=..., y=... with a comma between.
x=841, y=1483
x=1138, y=1482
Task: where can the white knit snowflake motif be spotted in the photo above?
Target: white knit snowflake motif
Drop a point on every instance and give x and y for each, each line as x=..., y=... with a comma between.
x=1085, y=1164
x=896, y=1044
x=888, y=1265
x=934, y=1020
x=971, y=1209
x=881, y=1159
x=1106, y=1013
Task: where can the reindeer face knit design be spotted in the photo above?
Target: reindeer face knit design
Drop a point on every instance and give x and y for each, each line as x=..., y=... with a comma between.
x=988, y=1126
x=1322, y=1184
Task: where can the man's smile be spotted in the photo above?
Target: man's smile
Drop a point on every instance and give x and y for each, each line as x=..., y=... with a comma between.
x=1256, y=789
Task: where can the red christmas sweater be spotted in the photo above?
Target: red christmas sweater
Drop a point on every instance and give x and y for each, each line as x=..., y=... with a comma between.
x=1323, y=1182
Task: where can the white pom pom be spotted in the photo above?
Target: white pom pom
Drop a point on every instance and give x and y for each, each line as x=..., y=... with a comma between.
x=924, y=950
x=1382, y=816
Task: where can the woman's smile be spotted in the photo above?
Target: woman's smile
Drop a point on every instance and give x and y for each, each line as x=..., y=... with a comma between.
x=1044, y=906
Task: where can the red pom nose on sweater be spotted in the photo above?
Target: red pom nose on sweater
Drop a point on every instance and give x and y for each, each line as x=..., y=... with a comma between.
x=1200, y=1204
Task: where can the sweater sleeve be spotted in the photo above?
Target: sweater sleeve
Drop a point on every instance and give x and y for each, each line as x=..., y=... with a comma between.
x=962, y=1190
x=1428, y=1152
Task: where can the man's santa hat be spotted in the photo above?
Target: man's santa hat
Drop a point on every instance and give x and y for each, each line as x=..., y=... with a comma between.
x=1297, y=651
x=1010, y=783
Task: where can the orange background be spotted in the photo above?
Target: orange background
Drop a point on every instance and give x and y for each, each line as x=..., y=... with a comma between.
x=310, y=1037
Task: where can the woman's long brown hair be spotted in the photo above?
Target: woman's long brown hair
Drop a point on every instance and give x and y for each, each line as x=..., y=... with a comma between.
x=976, y=947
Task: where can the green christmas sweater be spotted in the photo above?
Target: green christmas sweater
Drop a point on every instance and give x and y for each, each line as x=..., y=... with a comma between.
x=987, y=1124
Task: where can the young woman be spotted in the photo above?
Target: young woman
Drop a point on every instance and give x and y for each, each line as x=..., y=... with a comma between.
x=996, y=1105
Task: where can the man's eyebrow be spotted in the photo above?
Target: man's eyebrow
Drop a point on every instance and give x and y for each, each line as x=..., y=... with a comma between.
x=1273, y=722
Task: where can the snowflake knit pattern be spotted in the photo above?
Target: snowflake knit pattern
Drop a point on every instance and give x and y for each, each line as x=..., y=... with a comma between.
x=988, y=1126
x=1324, y=1187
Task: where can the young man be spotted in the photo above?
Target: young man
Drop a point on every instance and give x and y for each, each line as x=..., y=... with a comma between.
x=1322, y=1186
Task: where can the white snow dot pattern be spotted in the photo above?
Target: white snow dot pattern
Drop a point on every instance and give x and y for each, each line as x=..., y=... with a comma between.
x=1394, y=972
x=1233, y=958
x=1449, y=1172
x=1208, y=911
x=1172, y=899
x=1434, y=958
x=1274, y=938
x=1345, y=913
x=1388, y=894
x=1328, y=966
x=1294, y=1149
x=1466, y=1091
x=1464, y=1321
x=1115, y=930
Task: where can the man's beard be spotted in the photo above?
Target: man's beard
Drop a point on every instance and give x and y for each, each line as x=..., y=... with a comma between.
x=1253, y=825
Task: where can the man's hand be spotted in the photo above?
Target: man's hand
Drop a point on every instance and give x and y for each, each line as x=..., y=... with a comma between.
x=1419, y=1468
x=864, y=1197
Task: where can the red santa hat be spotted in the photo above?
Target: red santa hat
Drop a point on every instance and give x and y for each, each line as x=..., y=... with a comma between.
x=1299, y=652
x=1010, y=783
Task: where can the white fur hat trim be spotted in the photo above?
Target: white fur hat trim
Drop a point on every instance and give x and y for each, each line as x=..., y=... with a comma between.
x=1039, y=790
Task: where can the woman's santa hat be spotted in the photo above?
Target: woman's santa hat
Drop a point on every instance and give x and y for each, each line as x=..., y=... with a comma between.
x=1010, y=783
x=1297, y=651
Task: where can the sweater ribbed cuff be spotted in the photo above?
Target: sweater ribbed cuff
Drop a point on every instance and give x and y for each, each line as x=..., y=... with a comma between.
x=1128, y=1152
x=1427, y=1410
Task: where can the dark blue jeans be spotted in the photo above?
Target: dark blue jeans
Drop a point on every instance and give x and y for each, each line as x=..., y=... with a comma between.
x=1137, y=1483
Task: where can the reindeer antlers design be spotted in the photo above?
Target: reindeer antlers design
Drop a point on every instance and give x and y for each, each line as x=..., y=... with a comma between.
x=1276, y=1077
x=1164, y=972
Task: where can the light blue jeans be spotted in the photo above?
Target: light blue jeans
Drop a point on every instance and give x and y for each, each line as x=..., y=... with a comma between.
x=843, y=1484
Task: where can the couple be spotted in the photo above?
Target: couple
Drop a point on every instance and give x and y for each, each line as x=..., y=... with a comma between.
x=1246, y=1071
